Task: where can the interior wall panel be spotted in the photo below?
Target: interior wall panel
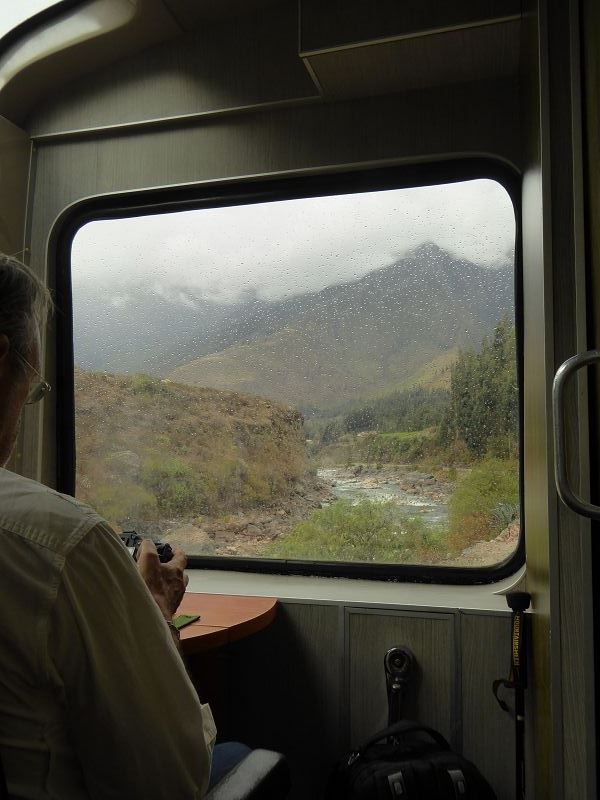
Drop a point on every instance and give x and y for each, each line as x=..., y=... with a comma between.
x=573, y=664
x=15, y=152
x=312, y=685
x=340, y=23
x=15, y=149
x=467, y=120
x=430, y=699
x=489, y=52
x=285, y=691
x=487, y=731
x=234, y=62
x=544, y=760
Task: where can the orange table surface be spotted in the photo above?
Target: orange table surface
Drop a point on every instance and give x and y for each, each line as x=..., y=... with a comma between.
x=223, y=619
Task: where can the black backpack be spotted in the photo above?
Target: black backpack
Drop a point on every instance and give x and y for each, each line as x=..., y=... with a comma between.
x=407, y=761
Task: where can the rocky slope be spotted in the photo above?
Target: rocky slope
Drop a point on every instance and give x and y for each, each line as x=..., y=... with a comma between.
x=150, y=451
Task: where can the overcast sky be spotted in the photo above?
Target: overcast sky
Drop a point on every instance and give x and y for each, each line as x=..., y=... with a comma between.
x=280, y=249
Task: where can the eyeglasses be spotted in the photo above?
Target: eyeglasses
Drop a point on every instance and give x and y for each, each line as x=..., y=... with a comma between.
x=40, y=388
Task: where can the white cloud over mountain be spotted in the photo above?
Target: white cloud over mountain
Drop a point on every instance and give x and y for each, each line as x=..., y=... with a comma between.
x=280, y=249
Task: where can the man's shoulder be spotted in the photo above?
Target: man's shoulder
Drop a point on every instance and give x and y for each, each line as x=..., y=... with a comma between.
x=34, y=511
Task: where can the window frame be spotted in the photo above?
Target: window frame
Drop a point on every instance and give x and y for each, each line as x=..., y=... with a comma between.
x=260, y=189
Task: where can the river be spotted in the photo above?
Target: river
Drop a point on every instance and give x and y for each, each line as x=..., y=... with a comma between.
x=416, y=493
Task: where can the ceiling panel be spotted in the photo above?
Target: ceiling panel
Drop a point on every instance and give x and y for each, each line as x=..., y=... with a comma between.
x=329, y=24
x=191, y=14
x=453, y=57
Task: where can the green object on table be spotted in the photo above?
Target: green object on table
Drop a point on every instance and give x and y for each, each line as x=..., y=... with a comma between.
x=181, y=620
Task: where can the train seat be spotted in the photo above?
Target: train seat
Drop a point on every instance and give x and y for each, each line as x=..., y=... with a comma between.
x=261, y=775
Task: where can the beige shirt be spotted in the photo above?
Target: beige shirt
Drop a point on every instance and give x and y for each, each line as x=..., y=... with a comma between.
x=95, y=701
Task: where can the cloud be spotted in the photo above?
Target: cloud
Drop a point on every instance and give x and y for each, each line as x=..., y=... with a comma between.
x=289, y=247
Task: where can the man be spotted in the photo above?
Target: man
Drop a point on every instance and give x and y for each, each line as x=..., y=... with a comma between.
x=95, y=701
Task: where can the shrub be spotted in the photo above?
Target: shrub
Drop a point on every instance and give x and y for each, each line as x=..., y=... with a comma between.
x=144, y=384
x=123, y=501
x=257, y=488
x=368, y=531
x=484, y=502
x=178, y=488
x=395, y=447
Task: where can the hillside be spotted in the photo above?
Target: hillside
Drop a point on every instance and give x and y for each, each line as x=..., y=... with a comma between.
x=150, y=450
x=398, y=326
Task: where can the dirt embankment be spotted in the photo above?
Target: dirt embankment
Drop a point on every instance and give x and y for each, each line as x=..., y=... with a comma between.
x=243, y=533
x=484, y=554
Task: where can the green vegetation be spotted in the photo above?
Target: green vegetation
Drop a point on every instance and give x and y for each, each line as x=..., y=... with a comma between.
x=375, y=532
x=385, y=448
x=124, y=501
x=474, y=424
x=410, y=410
x=476, y=417
x=484, y=502
x=483, y=411
x=177, y=487
x=399, y=411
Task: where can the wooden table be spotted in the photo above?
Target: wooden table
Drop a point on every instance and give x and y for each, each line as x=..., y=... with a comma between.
x=223, y=619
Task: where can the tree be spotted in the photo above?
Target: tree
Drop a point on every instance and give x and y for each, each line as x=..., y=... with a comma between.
x=483, y=410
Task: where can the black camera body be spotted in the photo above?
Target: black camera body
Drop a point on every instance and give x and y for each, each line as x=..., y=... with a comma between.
x=133, y=540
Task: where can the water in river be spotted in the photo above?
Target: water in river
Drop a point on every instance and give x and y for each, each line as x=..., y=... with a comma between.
x=347, y=486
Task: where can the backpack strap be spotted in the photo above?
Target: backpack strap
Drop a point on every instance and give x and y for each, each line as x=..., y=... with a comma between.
x=401, y=728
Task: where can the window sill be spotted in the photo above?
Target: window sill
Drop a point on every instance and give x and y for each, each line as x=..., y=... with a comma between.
x=487, y=597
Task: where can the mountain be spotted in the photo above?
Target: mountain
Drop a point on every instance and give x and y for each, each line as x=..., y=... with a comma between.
x=358, y=339
x=142, y=330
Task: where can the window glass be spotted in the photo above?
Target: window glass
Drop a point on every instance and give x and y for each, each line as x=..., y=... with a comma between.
x=325, y=378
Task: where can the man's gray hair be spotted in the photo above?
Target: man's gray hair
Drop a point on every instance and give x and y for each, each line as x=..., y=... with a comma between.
x=24, y=305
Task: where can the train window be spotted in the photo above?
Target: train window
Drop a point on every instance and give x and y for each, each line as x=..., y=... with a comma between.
x=324, y=379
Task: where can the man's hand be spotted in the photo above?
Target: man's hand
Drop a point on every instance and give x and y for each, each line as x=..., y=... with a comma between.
x=166, y=582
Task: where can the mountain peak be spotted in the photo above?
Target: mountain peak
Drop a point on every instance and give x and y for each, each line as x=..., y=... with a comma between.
x=428, y=249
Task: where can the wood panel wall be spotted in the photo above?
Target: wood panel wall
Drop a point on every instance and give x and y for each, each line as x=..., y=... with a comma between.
x=313, y=685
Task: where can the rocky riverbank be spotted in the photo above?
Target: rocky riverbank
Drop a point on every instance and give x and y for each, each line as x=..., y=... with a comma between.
x=403, y=477
x=244, y=533
x=420, y=493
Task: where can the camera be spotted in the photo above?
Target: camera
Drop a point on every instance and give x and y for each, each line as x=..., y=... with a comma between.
x=133, y=540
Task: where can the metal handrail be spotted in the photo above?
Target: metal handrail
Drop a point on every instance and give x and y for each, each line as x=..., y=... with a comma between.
x=566, y=494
